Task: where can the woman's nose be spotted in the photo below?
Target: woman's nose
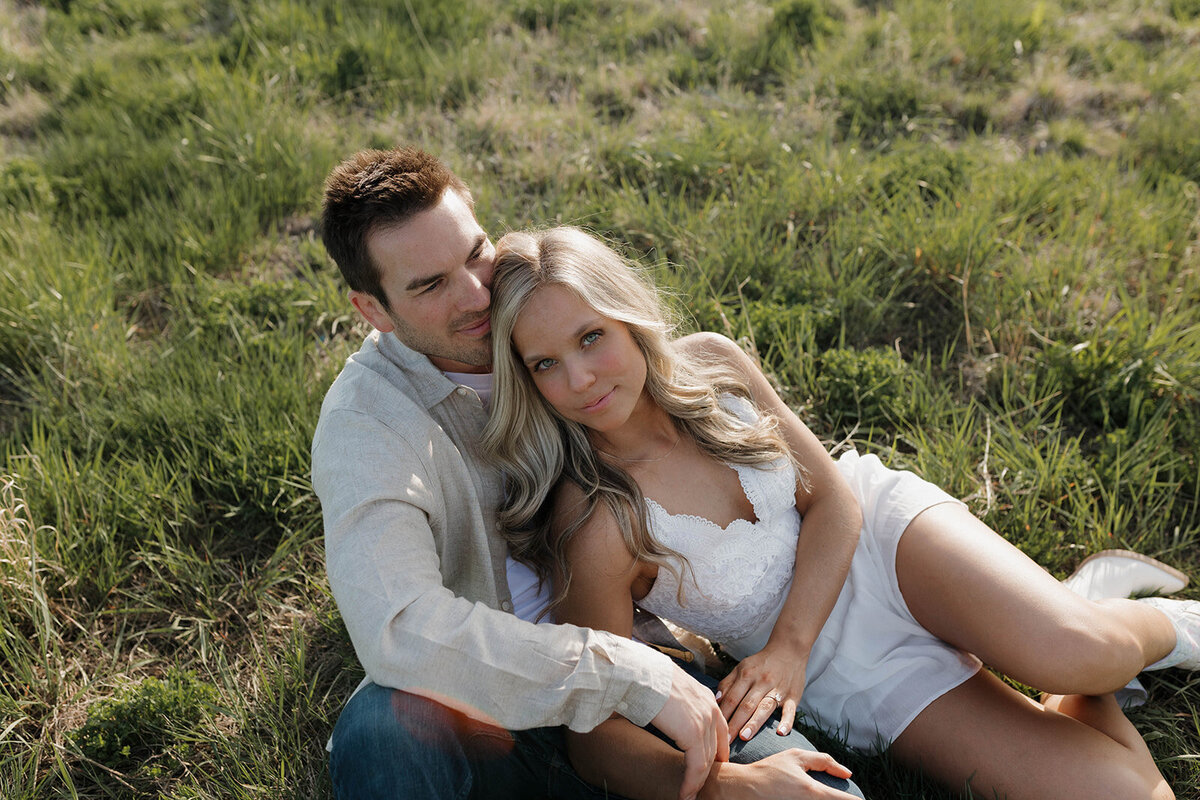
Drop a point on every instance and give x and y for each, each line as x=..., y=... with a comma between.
x=579, y=377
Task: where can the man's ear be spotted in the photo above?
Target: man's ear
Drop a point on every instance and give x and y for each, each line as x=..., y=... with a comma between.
x=372, y=310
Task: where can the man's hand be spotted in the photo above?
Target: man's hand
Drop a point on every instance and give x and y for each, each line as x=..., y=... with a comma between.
x=693, y=721
x=778, y=775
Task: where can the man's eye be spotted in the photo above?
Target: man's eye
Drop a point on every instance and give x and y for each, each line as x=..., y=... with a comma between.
x=431, y=287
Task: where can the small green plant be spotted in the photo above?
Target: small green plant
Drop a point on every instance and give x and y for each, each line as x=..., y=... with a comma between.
x=23, y=185
x=1167, y=143
x=795, y=26
x=802, y=22
x=875, y=105
x=143, y=722
x=536, y=14
x=872, y=386
x=1185, y=10
x=932, y=173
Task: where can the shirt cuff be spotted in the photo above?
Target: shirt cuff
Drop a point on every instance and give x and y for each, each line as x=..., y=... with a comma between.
x=644, y=676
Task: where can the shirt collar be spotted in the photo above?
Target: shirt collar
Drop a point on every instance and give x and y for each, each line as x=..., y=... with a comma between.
x=430, y=384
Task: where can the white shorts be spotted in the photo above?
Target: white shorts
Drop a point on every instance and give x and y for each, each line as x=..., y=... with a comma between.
x=874, y=668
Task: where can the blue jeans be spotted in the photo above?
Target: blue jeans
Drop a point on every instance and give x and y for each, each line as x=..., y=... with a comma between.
x=389, y=744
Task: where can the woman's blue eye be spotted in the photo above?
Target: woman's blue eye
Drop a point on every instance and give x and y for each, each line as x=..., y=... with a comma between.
x=591, y=337
x=544, y=364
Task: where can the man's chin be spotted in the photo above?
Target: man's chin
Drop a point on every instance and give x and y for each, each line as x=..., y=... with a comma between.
x=463, y=361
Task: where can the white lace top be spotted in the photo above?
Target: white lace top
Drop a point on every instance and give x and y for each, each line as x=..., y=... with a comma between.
x=745, y=569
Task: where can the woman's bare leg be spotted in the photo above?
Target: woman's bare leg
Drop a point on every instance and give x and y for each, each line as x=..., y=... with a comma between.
x=971, y=588
x=1101, y=712
x=986, y=735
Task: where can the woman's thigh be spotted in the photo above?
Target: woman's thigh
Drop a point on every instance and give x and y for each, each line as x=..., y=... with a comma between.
x=969, y=587
x=986, y=735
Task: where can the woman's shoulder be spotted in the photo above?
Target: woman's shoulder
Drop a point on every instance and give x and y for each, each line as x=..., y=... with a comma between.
x=706, y=344
x=715, y=349
x=568, y=501
x=598, y=536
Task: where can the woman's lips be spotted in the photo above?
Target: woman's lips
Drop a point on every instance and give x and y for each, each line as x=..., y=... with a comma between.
x=599, y=403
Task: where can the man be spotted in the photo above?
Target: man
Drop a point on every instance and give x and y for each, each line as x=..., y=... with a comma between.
x=475, y=696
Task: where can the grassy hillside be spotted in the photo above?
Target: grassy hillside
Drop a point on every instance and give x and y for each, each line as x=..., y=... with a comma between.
x=962, y=235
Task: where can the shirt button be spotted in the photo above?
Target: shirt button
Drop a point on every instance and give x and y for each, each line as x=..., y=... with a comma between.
x=506, y=605
x=622, y=705
x=463, y=391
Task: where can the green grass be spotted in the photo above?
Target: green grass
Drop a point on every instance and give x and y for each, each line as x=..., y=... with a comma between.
x=963, y=236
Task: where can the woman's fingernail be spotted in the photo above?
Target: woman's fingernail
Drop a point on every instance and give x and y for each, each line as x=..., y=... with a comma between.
x=746, y=733
x=720, y=694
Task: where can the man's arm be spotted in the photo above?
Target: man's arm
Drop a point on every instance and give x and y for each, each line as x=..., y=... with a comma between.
x=413, y=633
x=632, y=762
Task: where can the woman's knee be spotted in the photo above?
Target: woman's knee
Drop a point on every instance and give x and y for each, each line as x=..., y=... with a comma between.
x=1090, y=653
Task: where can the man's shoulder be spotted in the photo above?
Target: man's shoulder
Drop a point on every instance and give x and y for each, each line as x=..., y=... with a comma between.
x=372, y=385
x=373, y=390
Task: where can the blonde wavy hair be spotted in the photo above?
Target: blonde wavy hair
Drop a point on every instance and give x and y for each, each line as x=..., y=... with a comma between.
x=536, y=448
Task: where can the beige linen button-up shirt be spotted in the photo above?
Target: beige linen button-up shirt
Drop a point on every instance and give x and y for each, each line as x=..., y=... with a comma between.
x=417, y=566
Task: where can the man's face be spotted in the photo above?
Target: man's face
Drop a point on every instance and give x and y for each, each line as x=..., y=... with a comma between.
x=436, y=272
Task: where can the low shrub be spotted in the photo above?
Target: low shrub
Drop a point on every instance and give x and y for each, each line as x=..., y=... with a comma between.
x=874, y=386
x=139, y=727
x=25, y=186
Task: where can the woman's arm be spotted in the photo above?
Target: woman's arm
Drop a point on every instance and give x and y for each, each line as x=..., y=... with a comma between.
x=620, y=756
x=600, y=596
x=603, y=571
x=832, y=521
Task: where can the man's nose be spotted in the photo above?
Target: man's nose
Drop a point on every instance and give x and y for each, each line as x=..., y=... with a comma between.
x=474, y=293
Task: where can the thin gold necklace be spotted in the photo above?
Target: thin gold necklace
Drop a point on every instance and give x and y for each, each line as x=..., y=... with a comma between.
x=641, y=460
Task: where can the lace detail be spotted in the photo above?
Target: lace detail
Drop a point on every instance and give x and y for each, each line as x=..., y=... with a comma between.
x=746, y=567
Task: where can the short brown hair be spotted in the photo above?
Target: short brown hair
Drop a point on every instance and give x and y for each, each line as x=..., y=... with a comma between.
x=375, y=189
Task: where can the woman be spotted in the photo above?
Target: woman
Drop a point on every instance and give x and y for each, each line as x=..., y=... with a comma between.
x=671, y=475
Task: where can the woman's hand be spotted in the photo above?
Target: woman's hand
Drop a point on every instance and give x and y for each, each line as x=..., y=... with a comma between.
x=771, y=679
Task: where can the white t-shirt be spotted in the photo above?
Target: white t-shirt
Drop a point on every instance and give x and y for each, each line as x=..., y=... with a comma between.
x=480, y=382
x=528, y=596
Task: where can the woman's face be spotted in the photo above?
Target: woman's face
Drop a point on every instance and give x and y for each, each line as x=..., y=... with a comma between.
x=587, y=366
